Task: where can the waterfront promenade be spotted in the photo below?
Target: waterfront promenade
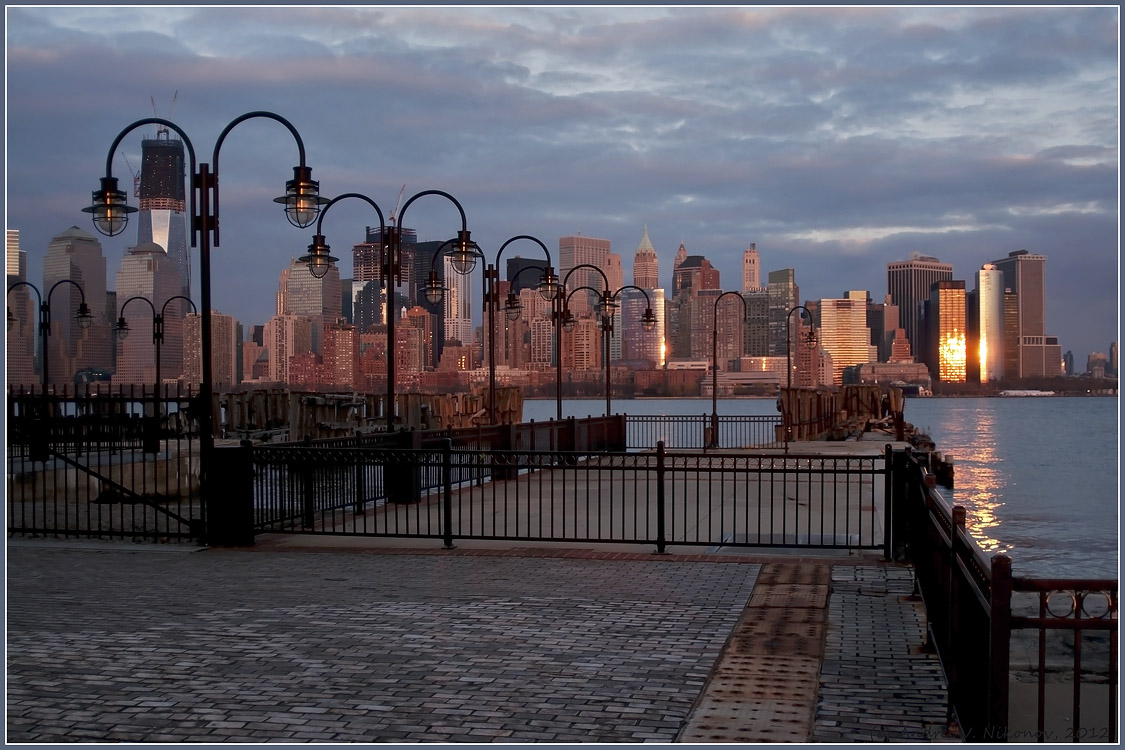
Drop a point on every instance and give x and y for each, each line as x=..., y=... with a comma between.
x=333, y=640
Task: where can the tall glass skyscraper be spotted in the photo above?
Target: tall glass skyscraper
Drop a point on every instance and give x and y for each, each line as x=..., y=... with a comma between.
x=162, y=217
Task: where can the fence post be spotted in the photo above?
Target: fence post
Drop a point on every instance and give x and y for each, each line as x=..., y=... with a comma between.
x=447, y=490
x=407, y=487
x=1000, y=622
x=660, y=533
x=230, y=513
x=888, y=501
x=308, y=488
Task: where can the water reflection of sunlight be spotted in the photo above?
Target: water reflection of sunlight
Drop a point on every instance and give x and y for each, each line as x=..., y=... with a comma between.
x=980, y=481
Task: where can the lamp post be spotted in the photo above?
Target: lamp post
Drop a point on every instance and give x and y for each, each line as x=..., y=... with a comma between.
x=463, y=258
x=84, y=317
x=110, y=212
x=549, y=288
x=122, y=328
x=714, y=442
x=789, y=366
x=605, y=308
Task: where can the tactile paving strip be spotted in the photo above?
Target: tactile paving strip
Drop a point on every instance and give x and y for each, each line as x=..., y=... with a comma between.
x=764, y=686
x=806, y=575
x=790, y=596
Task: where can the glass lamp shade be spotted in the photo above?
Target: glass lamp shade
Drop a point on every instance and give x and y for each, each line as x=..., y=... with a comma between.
x=85, y=317
x=302, y=198
x=463, y=256
x=568, y=321
x=648, y=320
x=122, y=329
x=512, y=307
x=606, y=307
x=109, y=208
x=549, y=287
x=318, y=258
x=435, y=292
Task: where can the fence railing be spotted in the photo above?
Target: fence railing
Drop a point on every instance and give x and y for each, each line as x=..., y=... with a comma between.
x=89, y=463
x=632, y=497
x=692, y=432
x=1022, y=656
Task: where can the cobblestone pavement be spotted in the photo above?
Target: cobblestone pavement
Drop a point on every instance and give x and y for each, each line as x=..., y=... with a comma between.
x=230, y=645
x=876, y=684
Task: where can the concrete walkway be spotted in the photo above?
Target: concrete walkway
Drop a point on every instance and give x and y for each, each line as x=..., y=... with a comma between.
x=144, y=643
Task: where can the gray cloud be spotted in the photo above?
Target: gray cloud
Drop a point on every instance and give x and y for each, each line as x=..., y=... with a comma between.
x=836, y=139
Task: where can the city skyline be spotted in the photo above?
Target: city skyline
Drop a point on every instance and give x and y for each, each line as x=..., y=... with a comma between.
x=834, y=140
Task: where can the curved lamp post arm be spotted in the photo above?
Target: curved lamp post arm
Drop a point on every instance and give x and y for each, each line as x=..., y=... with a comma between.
x=85, y=317
x=109, y=198
x=38, y=296
x=38, y=300
x=586, y=265
x=123, y=326
x=302, y=194
x=164, y=307
x=318, y=259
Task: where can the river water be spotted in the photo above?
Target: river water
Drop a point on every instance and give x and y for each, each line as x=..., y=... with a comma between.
x=1038, y=477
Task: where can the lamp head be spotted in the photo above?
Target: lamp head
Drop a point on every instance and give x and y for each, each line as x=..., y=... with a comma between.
x=463, y=256
x=318, y=259
x=122, y=328
x=302, y=199
x=549, y=286
x=11, y=319
x=85, y=317
x=606, y=307
x=512, y=307
x=109, y=208
x=568, y=321
x=648, y=320
x=435, y=292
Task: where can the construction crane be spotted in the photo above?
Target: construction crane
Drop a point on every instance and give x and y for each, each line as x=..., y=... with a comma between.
x=397, y=205
x=136, y=176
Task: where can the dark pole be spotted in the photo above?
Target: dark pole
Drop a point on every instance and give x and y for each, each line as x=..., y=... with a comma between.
x=204, y=183
x=715, y=365
x=44, y=333
x=558, y=353
x=490, y=301
x=607, y=331
x=786, y=401
x=390, y=261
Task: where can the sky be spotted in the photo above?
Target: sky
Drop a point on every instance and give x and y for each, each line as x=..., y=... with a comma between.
x=835, y=139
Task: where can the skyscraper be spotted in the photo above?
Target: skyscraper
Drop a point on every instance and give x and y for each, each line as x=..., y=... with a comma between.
x=301, y=293
x=990, y=323
x=525, y=280
x=574, y=251
x=751, y=269
x=162, y=217
x=76, y=255
x=22, y=336
x=945, y=354
x=225, y=351
x=148, y=272
x=909, y=283
x=843, y=333
x=783, y=295
x=646, y=266
x=1038, y=354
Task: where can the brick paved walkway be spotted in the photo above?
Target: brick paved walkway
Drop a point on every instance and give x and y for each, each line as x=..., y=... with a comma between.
x=147, y=644
x=876, y=684
x=233, y=645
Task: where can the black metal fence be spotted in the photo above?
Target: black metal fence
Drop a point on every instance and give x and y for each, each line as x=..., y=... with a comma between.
x=652, y=497
x=1025, y=659
x=692, y=432
x=89, y=463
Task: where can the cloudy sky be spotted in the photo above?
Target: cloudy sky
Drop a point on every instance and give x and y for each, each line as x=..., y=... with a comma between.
x=835, y=139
